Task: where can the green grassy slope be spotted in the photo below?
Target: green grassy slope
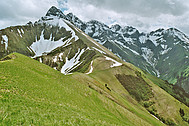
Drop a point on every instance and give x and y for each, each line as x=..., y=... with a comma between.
x=174, y=90
x=32, y=93
x=158, y=102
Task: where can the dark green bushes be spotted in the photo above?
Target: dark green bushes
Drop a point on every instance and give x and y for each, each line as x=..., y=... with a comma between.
x=136, y=86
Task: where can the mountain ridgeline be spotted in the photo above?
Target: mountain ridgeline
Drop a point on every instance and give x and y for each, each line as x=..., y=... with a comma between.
x=96, y=87
x=163, y=53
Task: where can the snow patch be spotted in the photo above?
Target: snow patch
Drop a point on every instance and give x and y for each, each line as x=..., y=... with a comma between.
x=60, y=56
x=166, y=58
x=96, y=34
x=19, y=32
x=129, y=40
x=55, y=59
x=72, y=63
x=88, y=30
x=88, y=48
x=148, y=56
x=91, y=69
x=114, y=61
x=164, y=46
x=165, y=51
x=22, y=30
x=43, y=46
x=176, y=43
x=6, y=41
x=142, y=39
x=40, y=60
x=180, y=35
x=154, y=40
x=29, y=49
x=99, y=50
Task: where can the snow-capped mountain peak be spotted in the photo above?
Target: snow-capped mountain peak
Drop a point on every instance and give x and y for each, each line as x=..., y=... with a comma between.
x=53, y=11
x=115, y=27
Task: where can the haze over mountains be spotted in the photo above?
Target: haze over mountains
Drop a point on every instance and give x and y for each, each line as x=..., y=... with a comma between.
x=96, y=86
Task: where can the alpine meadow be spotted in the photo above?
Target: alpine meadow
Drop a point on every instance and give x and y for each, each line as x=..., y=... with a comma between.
x=60, y=70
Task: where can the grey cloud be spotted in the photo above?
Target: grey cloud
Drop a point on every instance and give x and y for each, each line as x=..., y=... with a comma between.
x=145, y=15
x=22, y=11
x=142, y=7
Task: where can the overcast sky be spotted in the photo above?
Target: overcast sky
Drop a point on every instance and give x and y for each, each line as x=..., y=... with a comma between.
x=145, y=15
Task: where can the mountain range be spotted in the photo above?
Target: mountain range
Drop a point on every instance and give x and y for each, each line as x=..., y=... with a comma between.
x=163, y=53
x=96, y=86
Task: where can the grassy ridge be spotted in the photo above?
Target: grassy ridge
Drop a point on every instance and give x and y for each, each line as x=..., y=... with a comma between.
x=33, y=93
x=161, y=103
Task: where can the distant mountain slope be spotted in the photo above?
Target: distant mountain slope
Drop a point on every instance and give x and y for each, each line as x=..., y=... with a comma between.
x=163, y=53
